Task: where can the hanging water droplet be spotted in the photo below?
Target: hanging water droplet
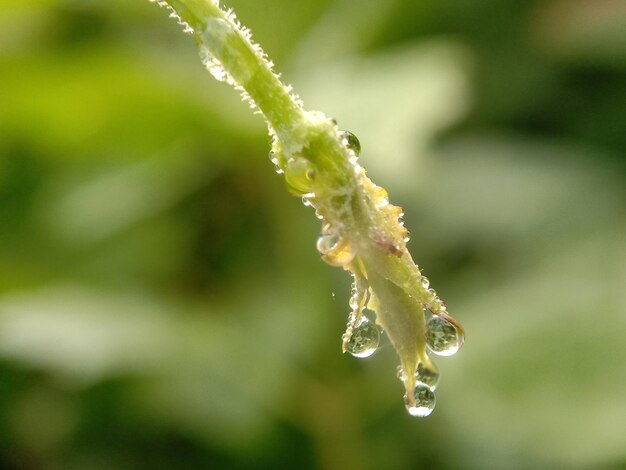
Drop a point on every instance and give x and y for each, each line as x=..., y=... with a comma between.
x=350, y=140
x=424, y=375
x=424, y=402
x=427, y=375
x=364, y=340
x=443, y=337
x=425, y=282
x=335, y=250
x=299, y=175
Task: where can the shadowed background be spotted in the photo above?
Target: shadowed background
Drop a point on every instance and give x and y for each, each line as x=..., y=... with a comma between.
x=162, y=304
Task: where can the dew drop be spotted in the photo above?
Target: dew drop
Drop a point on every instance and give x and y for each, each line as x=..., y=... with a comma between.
x=335, y=250
x=425, y=282
x=443, y=337
x=424, y=402
x=364, y=340
x=326, y=242
x=424, y=375
x=427, y=375
x=299, y=175
x=351, y=141
x=214, y=66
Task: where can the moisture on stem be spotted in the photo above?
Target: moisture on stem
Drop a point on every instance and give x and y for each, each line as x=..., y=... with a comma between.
x=361, y=231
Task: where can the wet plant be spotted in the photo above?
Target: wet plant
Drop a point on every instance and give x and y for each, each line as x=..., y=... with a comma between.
x=361, y=231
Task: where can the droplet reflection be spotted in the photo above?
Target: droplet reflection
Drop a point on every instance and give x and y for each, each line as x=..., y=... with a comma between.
x=427, y=375
x=299, y=175
x=351, y=141
x=335, y=250
x=424, y=402
x=364, y=340
x=443, y=337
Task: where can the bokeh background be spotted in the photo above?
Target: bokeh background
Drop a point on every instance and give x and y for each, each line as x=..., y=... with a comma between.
x=162, y=305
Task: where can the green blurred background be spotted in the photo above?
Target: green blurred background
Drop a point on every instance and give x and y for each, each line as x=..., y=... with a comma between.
x=162, y=305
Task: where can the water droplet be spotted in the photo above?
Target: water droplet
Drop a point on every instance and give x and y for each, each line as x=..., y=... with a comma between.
x=326, y=242
x=335, y=250
x=424, y=402
x=424, y=375
x=350, y=140
x=443, y=337
x=427, y=375
x=354, y=303
x=299, y=175
x=425, y=282
x=364, y=340
x=214, y=66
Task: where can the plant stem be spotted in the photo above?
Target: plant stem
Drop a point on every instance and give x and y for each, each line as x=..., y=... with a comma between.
x=246, y=64
x=320, y=165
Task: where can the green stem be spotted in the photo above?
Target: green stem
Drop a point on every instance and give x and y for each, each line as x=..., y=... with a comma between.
x=317, y=162
x=227, y=42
